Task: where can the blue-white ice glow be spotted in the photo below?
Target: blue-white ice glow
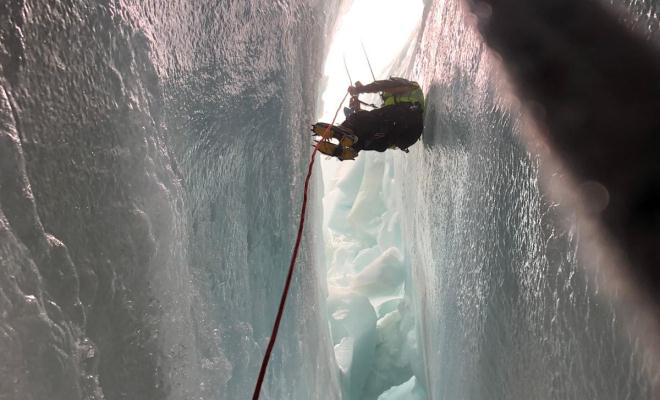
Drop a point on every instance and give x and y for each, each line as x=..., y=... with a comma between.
x=152, y=165
x=371, y=320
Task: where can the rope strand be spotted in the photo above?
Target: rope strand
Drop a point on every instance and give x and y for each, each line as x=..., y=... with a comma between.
x=292, y=264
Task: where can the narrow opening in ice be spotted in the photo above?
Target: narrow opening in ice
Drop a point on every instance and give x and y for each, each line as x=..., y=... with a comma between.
x=371, y=321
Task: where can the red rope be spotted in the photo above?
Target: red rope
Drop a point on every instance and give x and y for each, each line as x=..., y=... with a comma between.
x=292, y=266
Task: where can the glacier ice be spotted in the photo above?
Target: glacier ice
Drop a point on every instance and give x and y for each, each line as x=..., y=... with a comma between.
x=371, y=321
x=410, y=390
x=146, y=200
x=151, y=161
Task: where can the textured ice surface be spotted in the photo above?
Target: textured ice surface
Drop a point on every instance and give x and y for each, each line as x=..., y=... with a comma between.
x=371, y=322
x=353, y=328
x=505, y=308
x=409, y=390
x=151, y=164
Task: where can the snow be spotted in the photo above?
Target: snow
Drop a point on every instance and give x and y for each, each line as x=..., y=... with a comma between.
x=353, y=328
x=372, y=325
x=410, y=390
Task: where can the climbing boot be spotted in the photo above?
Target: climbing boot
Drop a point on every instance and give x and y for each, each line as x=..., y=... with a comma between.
x=338, y=151
x=345, y=136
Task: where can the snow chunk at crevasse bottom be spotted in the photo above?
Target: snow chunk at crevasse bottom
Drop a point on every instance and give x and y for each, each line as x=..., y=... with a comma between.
x=372, y=325
x=353, y=328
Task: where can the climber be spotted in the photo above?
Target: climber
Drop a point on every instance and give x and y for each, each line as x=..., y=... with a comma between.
x=398, y=123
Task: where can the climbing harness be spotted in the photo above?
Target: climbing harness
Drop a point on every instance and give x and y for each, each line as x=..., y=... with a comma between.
x=292, y=264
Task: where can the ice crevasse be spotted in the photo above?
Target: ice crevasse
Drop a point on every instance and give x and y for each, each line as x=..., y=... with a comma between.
x=370, y=315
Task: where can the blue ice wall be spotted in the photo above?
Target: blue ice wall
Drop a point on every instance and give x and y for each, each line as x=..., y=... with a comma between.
x=239, y=120
x=151, y=164
x=505, y=307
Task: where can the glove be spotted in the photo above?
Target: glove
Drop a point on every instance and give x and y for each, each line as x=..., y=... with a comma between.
x=355, y=90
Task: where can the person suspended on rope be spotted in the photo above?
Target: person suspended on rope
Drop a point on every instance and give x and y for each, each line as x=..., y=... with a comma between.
x=398, y=123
